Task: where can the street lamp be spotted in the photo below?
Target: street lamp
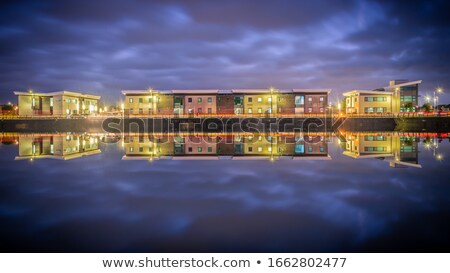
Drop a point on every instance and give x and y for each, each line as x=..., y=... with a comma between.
x=438, y=90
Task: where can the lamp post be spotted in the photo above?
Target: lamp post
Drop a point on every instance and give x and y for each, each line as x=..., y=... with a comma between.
x=438, y=90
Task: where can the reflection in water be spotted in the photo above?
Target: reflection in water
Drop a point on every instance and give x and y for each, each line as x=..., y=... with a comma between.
x=57, y=146
x=238, y=146
x=102, y=202
x=398, y=151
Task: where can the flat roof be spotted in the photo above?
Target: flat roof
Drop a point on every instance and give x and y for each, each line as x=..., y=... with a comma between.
x=404, y=84
x=57, y=93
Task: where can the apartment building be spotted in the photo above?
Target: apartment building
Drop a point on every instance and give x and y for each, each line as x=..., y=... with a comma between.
x=248, y=102
x=399, y=96
x=62, y=103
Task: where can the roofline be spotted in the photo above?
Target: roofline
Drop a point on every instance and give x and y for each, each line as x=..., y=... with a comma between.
x=57, y=93
x=228, y=91
x=405, y=84
x=367, y=92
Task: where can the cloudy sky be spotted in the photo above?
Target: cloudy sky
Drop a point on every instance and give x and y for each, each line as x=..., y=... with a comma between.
x=102, y=47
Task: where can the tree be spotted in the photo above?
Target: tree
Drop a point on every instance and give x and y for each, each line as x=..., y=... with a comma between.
x=426, y=107
x=408, y=106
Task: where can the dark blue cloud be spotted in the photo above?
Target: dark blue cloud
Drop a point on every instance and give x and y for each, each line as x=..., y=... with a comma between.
x=105, y=46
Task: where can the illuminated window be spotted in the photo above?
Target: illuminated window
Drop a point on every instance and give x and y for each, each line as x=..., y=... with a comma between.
x=149, y=100
x=209, y=99
x=269, y=99
x=269, y=149
x=259, y=99
x=130, y=100
x=321, y=99
x=299, y=100
x=250, y=110
x=199, y=99
x=131, y=149
x=259, y=110
x=309, y=98
x=310, y=149
x=199, y=149
x=51, y=102
x=259, y=149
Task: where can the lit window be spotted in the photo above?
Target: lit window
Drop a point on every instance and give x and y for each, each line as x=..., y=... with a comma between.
x=199, y=99
x=209, y=99
x=250, y=110
x=310, y=110
x=131, y=149
x=199, y=149
x=259, y=149
x=51, y=102
x=321, y=99
x=309, y=98
x=130, y=100
x=260, y=110
x=269, y=149
x=321, y=110
x=269, y=99
x=259, y=99
x=310, y=149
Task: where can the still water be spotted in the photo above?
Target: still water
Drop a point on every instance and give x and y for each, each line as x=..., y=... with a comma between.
x=350, y=192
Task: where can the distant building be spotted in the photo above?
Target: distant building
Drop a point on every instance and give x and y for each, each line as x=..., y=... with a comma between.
x=62, y=103
x=399, y=96
x=249, y=102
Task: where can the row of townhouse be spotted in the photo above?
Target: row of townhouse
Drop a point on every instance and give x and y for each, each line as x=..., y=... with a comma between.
x=225, y=102
x=399, y=96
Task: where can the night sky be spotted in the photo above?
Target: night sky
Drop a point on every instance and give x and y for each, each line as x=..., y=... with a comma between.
x=102, y=47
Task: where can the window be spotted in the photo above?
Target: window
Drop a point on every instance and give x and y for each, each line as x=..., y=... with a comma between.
x=269, y=149
x=67, y=100
x=141, y=111
x=149, y=100
x=150, y=111
x=321, y=99
x=408, y=98
x=356, y=99
x=309, y=110
x=269, y=110
x=150, y=149
x=299, y=100
x=199, y=100
x=375, y=149
x=299, y=148
x=321, y=110
x=67, y=111
x=269, y=99
x=250, y=100
x=141, y=149
x=250, y=149
x=74, y=101
x=259, y=110
x=259, y=99
x=33, y=102
x=141, y=100
x=310, y=149
x=74, y=112
x=209, y=110
x=209, y=149
x=199, y=149
x=131, y=149
x=309, y=98
x=199, y=110
x=190, y=149
x=189, y=99
x=130, y=100
x=321, y=149
x=209, y=99
x=51, y=102
x=260, y=149
x=190, y=111
x=131, y=110
x=250, y=110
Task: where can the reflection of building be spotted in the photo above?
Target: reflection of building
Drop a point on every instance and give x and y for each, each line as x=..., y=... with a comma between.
x=56, y=103
x=64, y=147
x=399, y=96
x=225, y=146
x=397, y=150
x=226, y=102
